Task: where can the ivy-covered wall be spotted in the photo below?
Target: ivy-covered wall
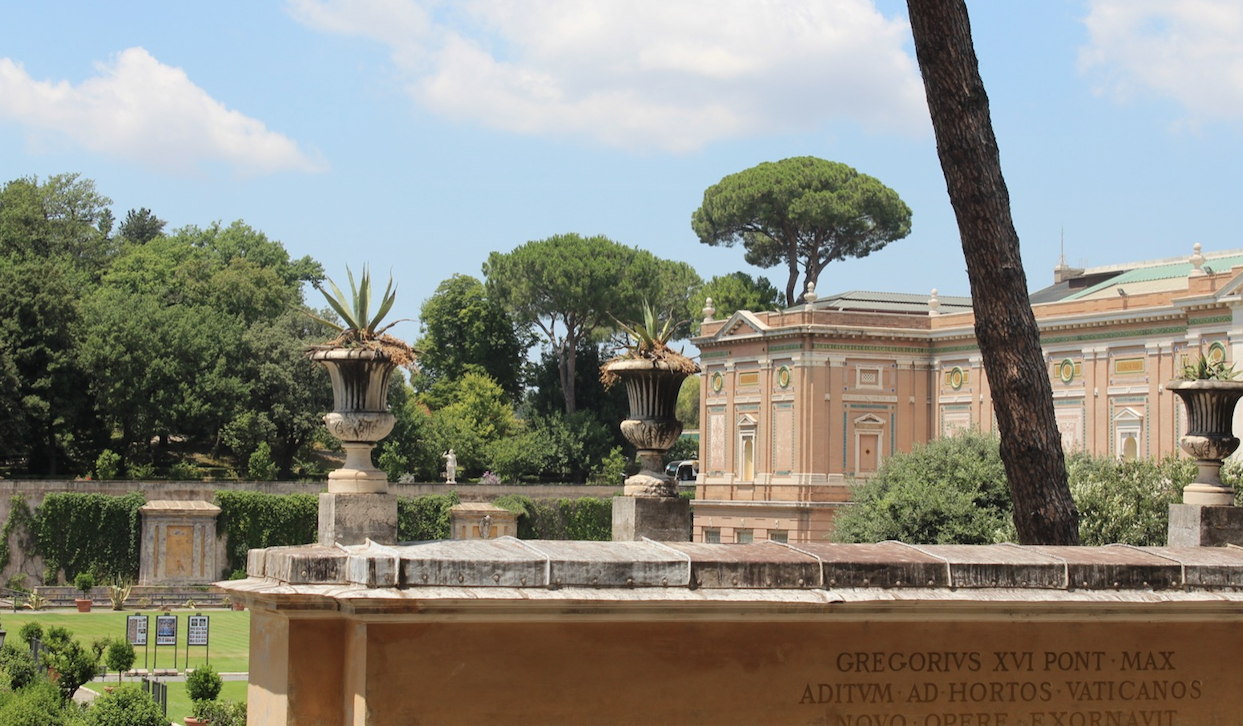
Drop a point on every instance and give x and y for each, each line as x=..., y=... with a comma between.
x=73, y=532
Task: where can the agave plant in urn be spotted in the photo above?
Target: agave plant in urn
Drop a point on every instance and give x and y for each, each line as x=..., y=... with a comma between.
x=360, y=361
x=653, y=374
x=1210, y=392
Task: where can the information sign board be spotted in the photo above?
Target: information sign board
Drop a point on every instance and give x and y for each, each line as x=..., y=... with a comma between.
x=197, y=631
x=136, y=629
x=166, y=630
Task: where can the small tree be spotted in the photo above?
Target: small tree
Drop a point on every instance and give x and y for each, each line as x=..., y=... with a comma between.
x=74, y=664
x=203, y=684
x=84, y=582
x=120, y=657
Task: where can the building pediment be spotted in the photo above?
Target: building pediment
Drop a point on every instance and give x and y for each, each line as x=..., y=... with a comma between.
x=743, y=323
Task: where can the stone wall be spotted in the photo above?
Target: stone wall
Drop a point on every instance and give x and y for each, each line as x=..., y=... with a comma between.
x=35, y=490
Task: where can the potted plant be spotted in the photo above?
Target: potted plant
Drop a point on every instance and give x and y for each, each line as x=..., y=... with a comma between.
x=360, y=361
x=1209, y=391
x=653, y=374
x=203, y=685
x=84, y=582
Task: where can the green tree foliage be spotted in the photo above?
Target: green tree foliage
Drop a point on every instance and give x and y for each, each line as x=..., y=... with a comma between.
x=140, y=226
x=568, y=286
x=120, y=656
x=407, y=451
x=125, y=706
x=93, y=533
x=74, y=664
x=687, y=409
x=949, y=491
x=463, y=330
x=425, y=518
x=733, y=292
x=46, y=413
x=63, y=217
x=802, y=212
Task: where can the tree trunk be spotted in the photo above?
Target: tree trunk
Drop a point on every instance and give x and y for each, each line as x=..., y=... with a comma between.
x=1005, y=325
x=566, y=367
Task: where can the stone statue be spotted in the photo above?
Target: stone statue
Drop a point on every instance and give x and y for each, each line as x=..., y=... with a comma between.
x=450, y=467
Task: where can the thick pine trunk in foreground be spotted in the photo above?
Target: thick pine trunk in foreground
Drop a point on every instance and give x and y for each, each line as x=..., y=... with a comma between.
x=1005, y=325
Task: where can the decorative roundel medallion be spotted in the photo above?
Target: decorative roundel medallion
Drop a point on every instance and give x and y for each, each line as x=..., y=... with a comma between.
x=957, y=378
x=718, y=382
x=1217, y=352
x=783, y=376
x=1066, y=370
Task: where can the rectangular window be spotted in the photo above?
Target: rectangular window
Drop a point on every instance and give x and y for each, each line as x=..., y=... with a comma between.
x=867, y=378
x=712, y=535
x=778, y=535
x=743, y=536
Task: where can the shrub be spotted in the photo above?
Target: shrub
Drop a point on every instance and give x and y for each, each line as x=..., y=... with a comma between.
x=30, y=631
x=221, y=713
x=586, y=518
x=203, y=684
x=1126, y=501
x=125, y=706
x=183, y=471
x=18, y=665
x=74, y=664
x=108, y=465
x=38, y=704
x=950, y=491
x=260, y=466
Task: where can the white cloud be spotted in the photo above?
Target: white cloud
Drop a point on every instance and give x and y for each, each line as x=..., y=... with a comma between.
x=139, y=109
x=666, y=74
x=1190, y=50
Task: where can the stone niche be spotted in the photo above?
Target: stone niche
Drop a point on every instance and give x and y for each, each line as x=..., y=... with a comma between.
x=482, y=521
x=178, y=543
x=518, y=632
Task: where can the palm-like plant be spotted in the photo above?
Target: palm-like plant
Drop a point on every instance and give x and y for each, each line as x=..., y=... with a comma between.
x=359, y=327
x=649, y=340
x=354, y=309
x=1205, y=369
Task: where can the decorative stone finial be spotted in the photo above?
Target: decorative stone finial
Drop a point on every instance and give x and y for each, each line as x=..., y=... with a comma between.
x=1196, y=260
x=709, y=310
x=934, y=303
x=810, y=296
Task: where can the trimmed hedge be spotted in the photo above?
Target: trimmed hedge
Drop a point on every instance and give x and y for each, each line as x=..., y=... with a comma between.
x=252, y=520
x=586, y=518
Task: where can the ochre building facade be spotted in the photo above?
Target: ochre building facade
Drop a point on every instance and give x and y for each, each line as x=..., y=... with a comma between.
x=798, y=404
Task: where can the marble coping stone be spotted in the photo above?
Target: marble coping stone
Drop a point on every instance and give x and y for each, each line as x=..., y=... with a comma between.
x=507, y=562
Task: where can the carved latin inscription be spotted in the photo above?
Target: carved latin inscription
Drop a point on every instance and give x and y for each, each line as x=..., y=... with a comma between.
x=1136, y=687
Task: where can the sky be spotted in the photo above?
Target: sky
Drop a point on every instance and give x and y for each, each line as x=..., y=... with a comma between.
x=418, y=136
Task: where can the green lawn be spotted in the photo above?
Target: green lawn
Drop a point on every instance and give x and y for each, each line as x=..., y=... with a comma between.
x=229, y=639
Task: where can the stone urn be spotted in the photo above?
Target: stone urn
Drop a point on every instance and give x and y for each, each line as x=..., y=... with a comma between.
x=652, y=387
x=360, y=417
x=1210, y=436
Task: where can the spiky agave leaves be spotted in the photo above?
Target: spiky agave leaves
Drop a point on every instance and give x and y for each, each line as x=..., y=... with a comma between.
x=360, y=326
x=650, y=341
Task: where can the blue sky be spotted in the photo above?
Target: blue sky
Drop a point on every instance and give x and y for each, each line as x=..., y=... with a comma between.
x=420, y=135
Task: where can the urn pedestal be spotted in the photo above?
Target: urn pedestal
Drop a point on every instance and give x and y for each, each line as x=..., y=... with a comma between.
x=650, y=506
x=1207, y=517
x=358, y=504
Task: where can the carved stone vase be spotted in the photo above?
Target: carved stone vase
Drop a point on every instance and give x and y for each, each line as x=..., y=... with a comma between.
x=360, y=417
x=1210, y=436
x=652, y=388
